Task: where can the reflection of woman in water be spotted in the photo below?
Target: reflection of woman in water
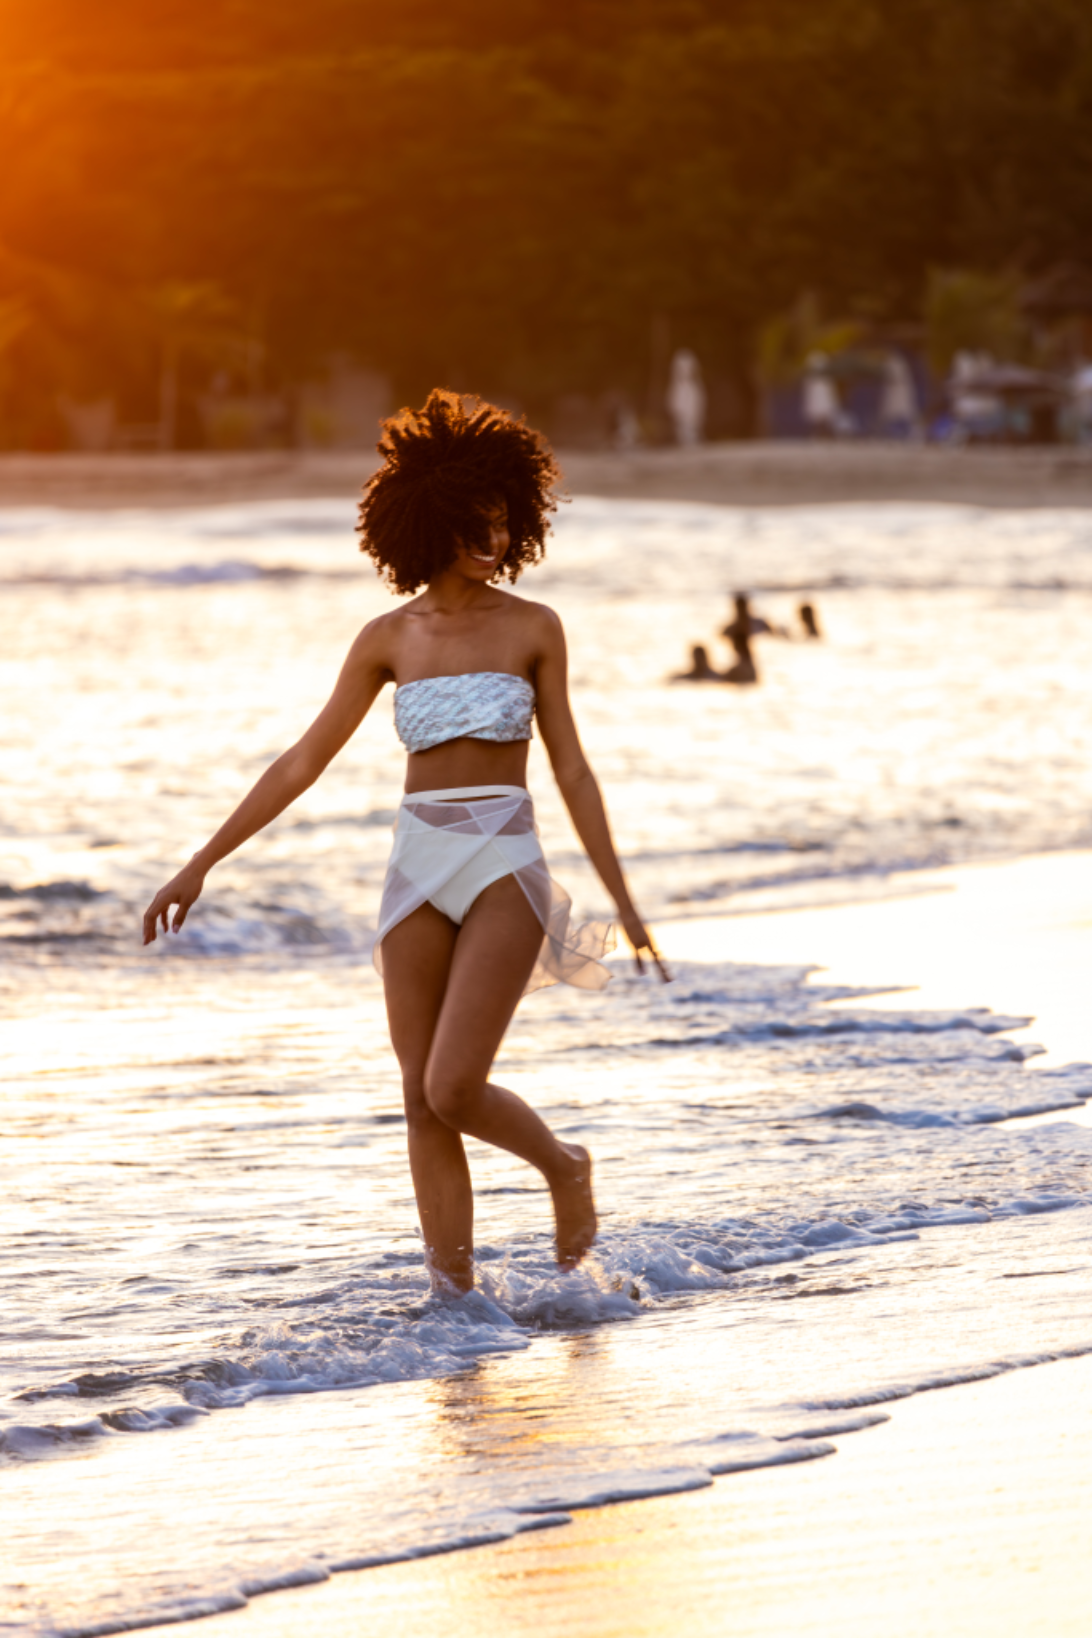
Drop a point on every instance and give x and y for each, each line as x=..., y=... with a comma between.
x=470, y=918
x=738, y=633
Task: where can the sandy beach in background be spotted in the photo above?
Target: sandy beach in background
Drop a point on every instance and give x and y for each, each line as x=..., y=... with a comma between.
x=749, y=474
x=964, y=1515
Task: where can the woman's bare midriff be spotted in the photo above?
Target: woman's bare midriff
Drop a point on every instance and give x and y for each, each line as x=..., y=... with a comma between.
x=462, y=762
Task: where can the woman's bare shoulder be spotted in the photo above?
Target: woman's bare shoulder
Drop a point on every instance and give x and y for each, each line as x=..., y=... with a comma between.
x=374, y=651
x=539, y=620
x=381, y=636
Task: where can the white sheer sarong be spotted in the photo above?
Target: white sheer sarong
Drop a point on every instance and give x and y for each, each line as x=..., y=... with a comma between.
x=450, y=845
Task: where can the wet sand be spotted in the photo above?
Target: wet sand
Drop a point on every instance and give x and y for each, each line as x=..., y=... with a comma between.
x=1016, y=937
x=750, y=474
x=965, y=1514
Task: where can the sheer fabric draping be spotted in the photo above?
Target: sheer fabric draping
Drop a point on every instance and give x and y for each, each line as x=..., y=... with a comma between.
x=440, y=834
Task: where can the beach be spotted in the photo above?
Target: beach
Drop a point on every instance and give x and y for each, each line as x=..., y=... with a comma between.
x=926, y=1528
x=751, y=473
x=931, y=1525
x=843, y=1160
x=372, y=388
x=965, y=1513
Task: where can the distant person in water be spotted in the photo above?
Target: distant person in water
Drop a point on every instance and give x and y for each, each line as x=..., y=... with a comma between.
x=700, y=668
x=738, y=632
x=760, y=626
x=809, y=620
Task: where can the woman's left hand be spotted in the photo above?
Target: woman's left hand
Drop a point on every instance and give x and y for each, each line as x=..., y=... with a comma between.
x=641, y=940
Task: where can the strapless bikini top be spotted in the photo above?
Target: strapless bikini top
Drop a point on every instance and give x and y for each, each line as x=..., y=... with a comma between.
x=491, y=705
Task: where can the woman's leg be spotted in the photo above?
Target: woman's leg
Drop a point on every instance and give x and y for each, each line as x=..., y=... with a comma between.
x=492, y=960
x=416, y=963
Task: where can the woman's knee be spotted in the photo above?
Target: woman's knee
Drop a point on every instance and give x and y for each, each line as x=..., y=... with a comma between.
x=450, y=1095
x=414, y=1100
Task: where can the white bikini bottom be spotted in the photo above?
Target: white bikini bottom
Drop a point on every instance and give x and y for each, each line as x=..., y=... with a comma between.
x=450, y=845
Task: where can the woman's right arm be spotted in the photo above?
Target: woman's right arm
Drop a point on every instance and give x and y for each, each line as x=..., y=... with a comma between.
x=362, y=676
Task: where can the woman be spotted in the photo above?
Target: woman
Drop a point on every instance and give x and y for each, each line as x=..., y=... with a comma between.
x=470, y=918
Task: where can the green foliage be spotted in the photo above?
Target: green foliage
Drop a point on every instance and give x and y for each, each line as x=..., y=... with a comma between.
x=973, y=312
x=514, y=196
x=786, y=341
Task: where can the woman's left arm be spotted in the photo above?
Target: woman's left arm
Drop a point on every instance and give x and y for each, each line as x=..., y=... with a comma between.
x=578, y=785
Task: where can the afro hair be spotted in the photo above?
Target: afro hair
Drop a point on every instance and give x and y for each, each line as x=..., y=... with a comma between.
x=445, y=467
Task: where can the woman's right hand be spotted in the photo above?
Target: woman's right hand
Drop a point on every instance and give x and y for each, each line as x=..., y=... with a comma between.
x=641, y=940
x=184, y=890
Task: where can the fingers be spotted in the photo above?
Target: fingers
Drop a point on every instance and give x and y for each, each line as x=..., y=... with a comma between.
x=643, y=941
x=158, y=914
x=151, y=917
x=665, y=976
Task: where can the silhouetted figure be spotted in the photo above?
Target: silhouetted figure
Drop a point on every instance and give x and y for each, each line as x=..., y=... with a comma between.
x=738, y=632
x=741, y=627
x=760, y=626
x=819, y=398
x=686, y=398
x=700, y=669
x=809, y=620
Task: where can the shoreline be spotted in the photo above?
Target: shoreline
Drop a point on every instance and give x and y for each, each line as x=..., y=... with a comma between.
x=962, y=1513
x=736, y=474
x=1014, y=935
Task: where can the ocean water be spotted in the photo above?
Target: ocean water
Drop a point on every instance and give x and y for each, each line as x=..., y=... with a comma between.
x=220, y=1366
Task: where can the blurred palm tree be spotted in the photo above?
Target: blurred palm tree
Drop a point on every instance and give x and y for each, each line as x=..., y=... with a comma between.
x=194, y=318
x=65, y=336
x=974, y=313
x=70, y=338
x=787, y=341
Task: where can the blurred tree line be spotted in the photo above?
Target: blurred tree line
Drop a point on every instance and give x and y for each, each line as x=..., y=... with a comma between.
x=531, y=199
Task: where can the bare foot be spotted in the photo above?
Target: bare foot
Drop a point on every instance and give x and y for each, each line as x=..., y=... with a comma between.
x=450, y=1277
x=574, y=1207
x=449, y=1284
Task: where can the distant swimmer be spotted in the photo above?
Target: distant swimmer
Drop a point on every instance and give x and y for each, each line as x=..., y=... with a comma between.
x=738, y=632
x=700, y=668
x=744, y=670
x=470, y=918
x=809, y=620
x=742, y=624
x=760, y=626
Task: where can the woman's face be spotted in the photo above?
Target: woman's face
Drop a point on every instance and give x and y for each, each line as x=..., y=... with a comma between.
x=481, y=562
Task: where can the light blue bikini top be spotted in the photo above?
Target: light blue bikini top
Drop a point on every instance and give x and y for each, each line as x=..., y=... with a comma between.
x=491, y=705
